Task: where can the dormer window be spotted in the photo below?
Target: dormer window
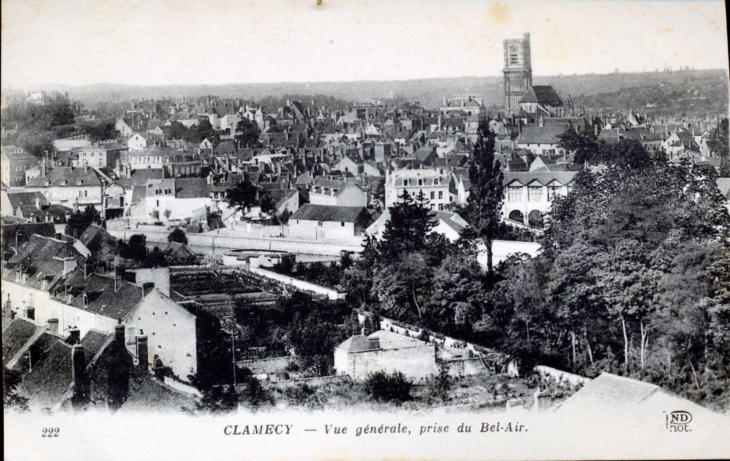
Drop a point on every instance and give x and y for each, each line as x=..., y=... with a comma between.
x=80, y=182
x=64, y=182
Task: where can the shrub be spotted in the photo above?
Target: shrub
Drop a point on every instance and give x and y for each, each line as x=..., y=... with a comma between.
x=385, y=387
x=438, y=387
x=178, y=235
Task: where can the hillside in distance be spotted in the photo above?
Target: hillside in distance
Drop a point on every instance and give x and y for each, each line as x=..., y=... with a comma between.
x=429, y=92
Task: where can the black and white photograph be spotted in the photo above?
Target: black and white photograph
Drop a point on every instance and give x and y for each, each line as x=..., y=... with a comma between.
x=365, y=230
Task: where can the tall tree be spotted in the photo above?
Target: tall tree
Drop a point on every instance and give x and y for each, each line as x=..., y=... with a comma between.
x=583, y=146
x=717, y=141
x=242, y=196
x=486, y=194
x=410, y=221
x=247, y=133
x=79, y=221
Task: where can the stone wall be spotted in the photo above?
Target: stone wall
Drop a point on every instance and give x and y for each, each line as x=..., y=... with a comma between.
x=300, y=284
x=415, y=362
x=224, y=242
x=464, y=367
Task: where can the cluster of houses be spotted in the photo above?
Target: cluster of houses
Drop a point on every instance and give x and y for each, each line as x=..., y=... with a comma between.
x=70, y=321
x=73, y=317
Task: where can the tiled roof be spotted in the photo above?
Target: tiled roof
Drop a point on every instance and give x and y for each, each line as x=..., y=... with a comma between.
x=18, y=332
x=37, y=260
x=62, y=176
x=139, y=177
x=191, y=188
x=25, y=198
x=153, y=396
x=311, y=212
x=25, y=230
x=611, y=391
x=357, y=343
x=17, y=154
x=116, y=304
x=544, y=177
x=53, y=376
x=452, y=220
x=154, y=151
x=542, y=94
x=91, y=233
x=548, y=134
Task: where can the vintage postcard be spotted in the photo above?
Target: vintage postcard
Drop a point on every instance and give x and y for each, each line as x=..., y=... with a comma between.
x=365, y=230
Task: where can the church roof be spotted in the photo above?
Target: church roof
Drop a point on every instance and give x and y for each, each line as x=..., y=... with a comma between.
x=542, y=94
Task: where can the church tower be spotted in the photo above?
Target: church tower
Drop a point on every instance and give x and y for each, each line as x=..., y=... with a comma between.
x=517, y=72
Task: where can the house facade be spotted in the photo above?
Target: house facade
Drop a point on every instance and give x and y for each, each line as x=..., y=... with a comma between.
x=530, y=194
x=433, y=184
x=69, y=185
x=15, y=161
x=337, y=193
x=320, y=222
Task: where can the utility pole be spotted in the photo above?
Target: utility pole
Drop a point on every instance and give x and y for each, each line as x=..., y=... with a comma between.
x=233, y=339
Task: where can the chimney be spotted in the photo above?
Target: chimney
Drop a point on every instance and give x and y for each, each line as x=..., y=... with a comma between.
x=81, y=384
x=119, y=333
x=53, y=326
x=74, y=336
x=30, y=312
x=142, y=353
x=8, y=307
x=147, y=287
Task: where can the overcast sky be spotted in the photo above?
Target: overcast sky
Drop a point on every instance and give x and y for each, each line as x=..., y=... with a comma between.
x=79, y=42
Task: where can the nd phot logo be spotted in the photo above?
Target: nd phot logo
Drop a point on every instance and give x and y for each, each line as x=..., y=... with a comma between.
x=678, y=421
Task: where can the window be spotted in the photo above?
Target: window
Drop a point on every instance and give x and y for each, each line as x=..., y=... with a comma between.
x=553, y=192
x=420, y=182
x=433, y=195
x=441, y=194
x=441, y=207
x=534, y=194
x=514, y=194
x=342, y=224
x=158, y=203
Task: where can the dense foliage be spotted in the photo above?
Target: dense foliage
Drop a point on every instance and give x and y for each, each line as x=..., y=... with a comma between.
x=36, y=126
x=247, y=133
x=632, y=280
x=79, y=221
x=178, y=236
x=385, y=387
